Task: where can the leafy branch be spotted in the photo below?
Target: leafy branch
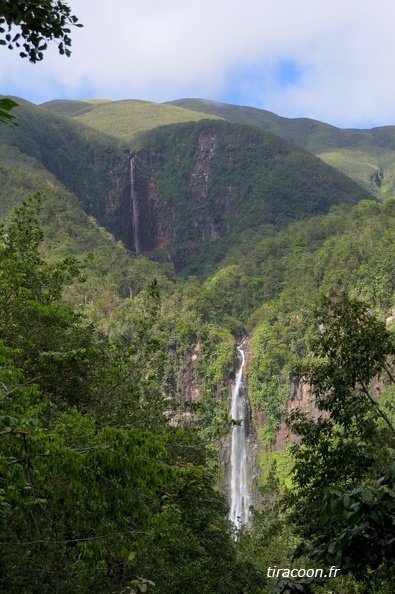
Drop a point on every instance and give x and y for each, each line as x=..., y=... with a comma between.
x=38, y=21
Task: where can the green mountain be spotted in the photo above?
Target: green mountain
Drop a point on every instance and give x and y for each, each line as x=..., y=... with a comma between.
x=198, y=187
x=203, y=187
x=367, y=156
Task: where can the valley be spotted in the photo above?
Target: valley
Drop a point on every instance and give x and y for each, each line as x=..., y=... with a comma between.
x=185, y=228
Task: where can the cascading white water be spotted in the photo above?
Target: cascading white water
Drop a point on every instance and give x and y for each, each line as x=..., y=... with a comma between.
x=135, y=210
x=240, y=498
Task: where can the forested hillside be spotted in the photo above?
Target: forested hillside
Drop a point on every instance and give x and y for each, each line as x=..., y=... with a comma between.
x=207, y=186
x=98, y=490
x=200, y=187
x=367, y=156
x=117, y=365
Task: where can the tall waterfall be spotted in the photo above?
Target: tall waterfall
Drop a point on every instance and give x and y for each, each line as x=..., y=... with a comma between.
x=135, y=210
x=240, y=498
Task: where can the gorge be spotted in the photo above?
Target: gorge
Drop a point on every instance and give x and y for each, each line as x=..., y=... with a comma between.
x=220, y=218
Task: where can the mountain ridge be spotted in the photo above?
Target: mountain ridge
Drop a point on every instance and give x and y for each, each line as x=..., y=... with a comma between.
x=365, y=155
x=200, y=185
x=125, y=118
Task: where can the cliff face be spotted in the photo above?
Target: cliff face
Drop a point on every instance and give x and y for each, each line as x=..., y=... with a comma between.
x=178, y=213
x=301, y=399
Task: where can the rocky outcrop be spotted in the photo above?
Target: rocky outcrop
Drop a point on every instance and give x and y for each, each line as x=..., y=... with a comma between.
x=300, y=398
x=203, y=154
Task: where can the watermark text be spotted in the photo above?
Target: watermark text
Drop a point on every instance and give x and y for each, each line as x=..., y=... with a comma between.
x=284, y=572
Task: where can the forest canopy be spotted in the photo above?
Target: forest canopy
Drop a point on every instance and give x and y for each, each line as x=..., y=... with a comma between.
x=97, y=490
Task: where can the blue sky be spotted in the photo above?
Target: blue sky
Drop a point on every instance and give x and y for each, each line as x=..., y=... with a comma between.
x=326, y=59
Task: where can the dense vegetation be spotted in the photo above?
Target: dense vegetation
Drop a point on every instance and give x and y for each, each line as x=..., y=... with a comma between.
x=367, y=156
x=98, y=490
x=338, y=508
x=201, y=187
x=114, y=391
x=212, y=185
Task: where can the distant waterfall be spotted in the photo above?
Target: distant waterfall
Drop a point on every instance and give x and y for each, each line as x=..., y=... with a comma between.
x=135, y=209
x=240, y=498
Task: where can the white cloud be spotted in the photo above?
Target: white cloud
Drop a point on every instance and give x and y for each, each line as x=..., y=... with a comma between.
x=159, y=51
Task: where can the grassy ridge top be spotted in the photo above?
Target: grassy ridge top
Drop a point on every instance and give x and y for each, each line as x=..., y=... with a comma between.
x=127, y=118
x=311, y=134
x=68, y=108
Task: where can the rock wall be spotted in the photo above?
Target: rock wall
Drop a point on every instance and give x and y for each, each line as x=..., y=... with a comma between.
x=301, y=399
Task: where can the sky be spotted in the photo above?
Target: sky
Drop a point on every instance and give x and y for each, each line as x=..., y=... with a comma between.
x=331, y=60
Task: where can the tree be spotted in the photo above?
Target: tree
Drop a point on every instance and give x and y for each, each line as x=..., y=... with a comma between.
x=67, y=510
x=343, y=500
x=38, y=21
x=98, y=492
x=48, y=337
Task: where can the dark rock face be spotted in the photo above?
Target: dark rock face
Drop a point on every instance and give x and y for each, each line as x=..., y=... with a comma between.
x=300, y=398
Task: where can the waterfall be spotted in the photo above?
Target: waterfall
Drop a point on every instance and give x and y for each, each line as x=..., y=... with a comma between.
x=135, y=210
x=240, y=499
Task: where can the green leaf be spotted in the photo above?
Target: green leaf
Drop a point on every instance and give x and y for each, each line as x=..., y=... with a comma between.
x=367, y=494
x=6, y=105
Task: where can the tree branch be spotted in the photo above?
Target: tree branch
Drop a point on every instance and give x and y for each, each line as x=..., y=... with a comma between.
x=377, y=406
x=86, y=539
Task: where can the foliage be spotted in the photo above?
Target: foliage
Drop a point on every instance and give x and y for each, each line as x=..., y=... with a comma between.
x=352, y=348
x=342, y=454
x=366, y=156
x=69, y=514
x=366, y=539
x=278, y=342
x=97, y=490
x=38, y=21
x=6, y=105
x=45, y=332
